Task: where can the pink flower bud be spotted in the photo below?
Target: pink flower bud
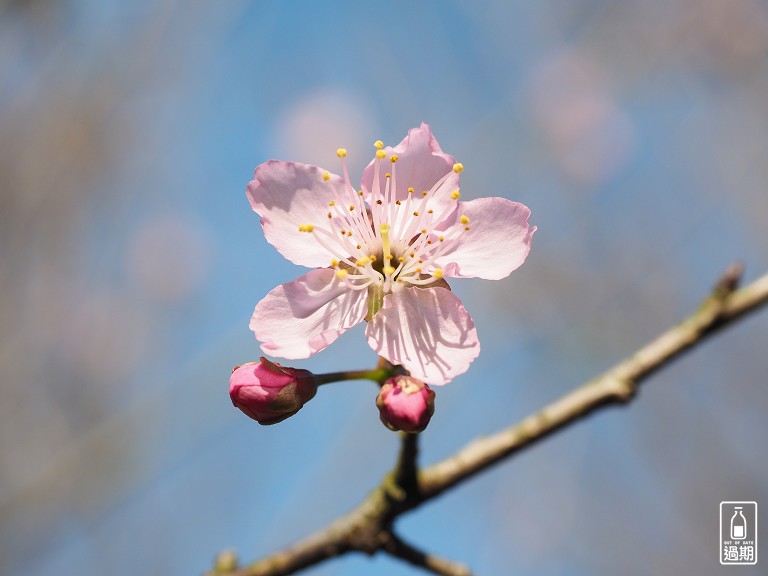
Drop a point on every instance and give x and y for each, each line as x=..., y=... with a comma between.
x=270, y=393
x=406, y=404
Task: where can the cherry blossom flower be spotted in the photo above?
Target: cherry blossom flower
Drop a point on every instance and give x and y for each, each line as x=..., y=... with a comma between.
x=381, y=253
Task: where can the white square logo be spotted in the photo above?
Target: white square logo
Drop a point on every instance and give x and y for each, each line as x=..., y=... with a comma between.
x=738, y=533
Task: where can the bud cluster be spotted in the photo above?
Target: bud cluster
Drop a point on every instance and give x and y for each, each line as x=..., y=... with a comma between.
x=269, y=393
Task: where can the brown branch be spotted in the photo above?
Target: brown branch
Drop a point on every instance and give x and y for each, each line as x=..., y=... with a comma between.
x=406, y=470
x=429, y=562
x=368, y=528
x=617, y=385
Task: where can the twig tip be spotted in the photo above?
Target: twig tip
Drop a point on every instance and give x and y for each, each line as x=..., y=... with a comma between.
x=730, y=279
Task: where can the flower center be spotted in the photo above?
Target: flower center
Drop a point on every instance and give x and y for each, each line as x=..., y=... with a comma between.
x=391, y=241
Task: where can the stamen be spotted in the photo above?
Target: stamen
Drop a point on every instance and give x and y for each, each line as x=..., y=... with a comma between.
x=326, y=176
x=384, y=229
x=341, y=152
x=458, y=167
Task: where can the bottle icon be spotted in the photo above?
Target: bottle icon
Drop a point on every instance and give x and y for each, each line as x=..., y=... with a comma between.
x=738, y=524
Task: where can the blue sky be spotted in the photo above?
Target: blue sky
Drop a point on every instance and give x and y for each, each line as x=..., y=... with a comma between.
x=635, y=133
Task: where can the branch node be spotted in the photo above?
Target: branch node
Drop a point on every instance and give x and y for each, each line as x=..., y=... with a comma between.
x=729, y=281
x=224, y=563
x=623, y=389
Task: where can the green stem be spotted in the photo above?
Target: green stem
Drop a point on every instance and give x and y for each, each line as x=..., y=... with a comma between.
x=378, y=375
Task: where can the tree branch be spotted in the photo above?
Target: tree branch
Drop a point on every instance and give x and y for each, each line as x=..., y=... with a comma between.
x=400, y=549
x=617, y=385
x=368, y=528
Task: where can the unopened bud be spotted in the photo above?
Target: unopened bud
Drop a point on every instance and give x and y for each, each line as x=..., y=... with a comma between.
x=270, y=393
x=406, y=404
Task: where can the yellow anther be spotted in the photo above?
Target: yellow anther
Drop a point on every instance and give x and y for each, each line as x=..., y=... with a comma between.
x=393, y=158
x=358, y=246
x=381, y=154
x=400, y=259
x=429, y=211
x=423, y=230
x=341, y=152
x=421, y=261
x=362, y=261
x=415, y=213
x=410, y=190
x=437, y=273
x=455, y=195
x=359, y=192
x=388, y=270
x=372, y=257
x=442, y=239
x=418, y=269
x=351, y=207
x=334, y=263
x=331, y=203
x=458, y=167
x=326, y=176
x=378, y=144
x=387, y=175
x=341, y=273
x=388, y=256
x=306, y=227
x=349, y=233
x=464, y=219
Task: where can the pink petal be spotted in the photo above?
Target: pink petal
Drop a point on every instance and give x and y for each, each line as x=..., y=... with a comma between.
x=302, y=317
x=421, y=163
x=497, y=242
x=428, y=331
x=288, y=194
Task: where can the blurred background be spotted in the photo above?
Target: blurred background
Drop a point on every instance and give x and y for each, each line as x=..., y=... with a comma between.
x=130, y=263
